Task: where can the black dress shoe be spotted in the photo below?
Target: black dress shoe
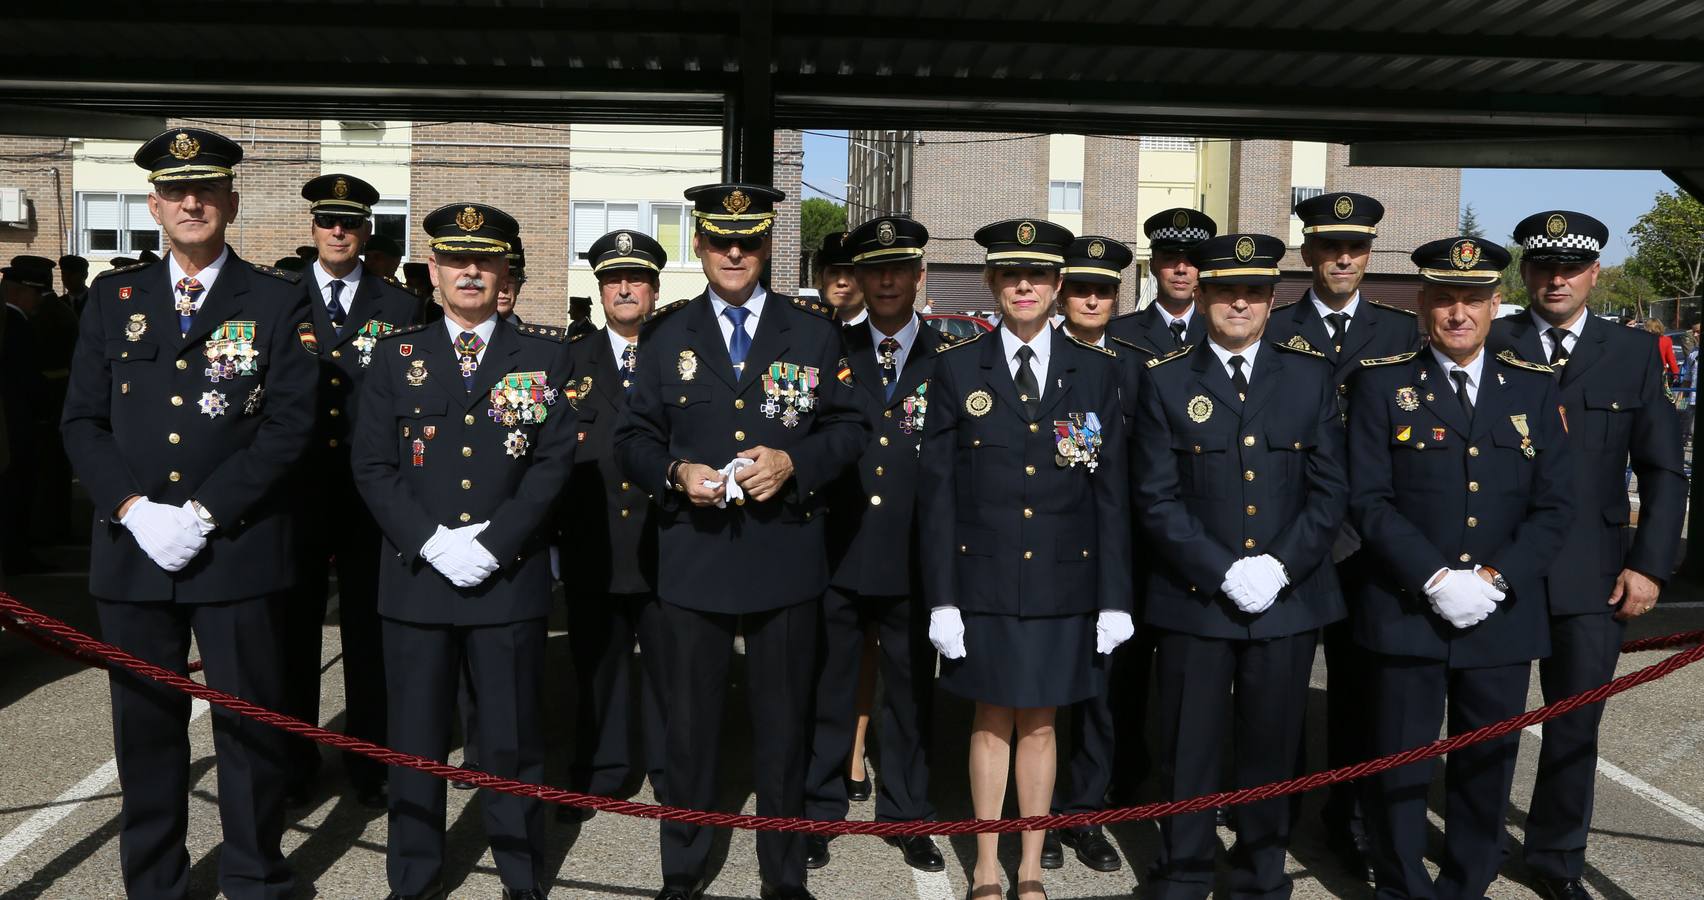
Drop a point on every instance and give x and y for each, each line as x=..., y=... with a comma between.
x=675, y=892
x=1354, y=851
x=435, y=892
x=920, y=852
x=1052, y=853
x=816, y=851
x=1221, y=817
x=1562, y=889
x=1093, y=849
x=523, y=894
x=858, y=791
x=766, y=892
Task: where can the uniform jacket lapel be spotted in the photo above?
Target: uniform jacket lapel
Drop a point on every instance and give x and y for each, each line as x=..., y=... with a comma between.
x=498, y=361
x=1588, y=350
x=707, y=342
x=224, y=302
x=1438, y=393
x=1268, y=369
x=1061, y=375
x=916, y=365
x=1211, y=375
x=606, y=385
x=1312, y=328
x=997, y=374
x=1524, y=337
x=861, y=356
x=770, y=341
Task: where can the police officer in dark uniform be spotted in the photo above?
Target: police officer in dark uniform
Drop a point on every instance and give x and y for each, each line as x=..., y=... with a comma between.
x=350, y=308
x=29, y=409
x=580, y=316
x=1024, y=498
x=608, y=544
x=1242, y=489
x=464, y=441
x=1612, y=387
x=74, y=276
x=381, y=255
x=739, y=374
x=1092, y=273
x=1338, y=230
x=872, y=541
x=1170, y=321
x=1462, y=492
x=837, y=280
x=191, y=403
x=511, y=292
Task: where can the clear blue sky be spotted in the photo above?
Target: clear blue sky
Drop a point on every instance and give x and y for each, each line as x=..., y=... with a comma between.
x=1500, y=197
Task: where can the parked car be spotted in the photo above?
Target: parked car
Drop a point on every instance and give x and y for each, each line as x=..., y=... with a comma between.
x=958, y=325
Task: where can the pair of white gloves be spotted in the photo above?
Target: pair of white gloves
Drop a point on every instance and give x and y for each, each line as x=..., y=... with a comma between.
x=1461, y=597
x=946, y=630
x=456, y=555
x=1253, y=582
x=170, y=535
x=733, y=491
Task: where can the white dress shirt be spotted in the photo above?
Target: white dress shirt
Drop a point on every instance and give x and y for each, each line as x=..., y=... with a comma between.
x=862, y=316
x=754, y=305
x=483, y=329
x=1247, y=353
x=1474, y=369
x=1166, y=318
x=206, y=276
x=1570, y=333
x=618, y=345
x=1348, y=309
x=1098, y=342
x=1041, y=344
x=346, y=295
x=906, y=337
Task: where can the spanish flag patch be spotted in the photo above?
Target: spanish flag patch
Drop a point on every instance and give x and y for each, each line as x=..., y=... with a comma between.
x=843, y=372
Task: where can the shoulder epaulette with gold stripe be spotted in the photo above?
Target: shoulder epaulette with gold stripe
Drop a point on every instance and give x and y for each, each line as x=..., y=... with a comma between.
x=130, y=268
x=576, y=338
x=1299, y=344
x=409, y=330
x=813, y=306
x=280, y=274
x=1389, y=360
x=1088, y=346
x=1179, y=353
x=947, y=337
x=1508, y=358
x=1406, y=312
x=1132, y=345
x=963, y=342
x=548, y=332
x=661, y=311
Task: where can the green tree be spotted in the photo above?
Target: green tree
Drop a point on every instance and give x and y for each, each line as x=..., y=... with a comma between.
x=1514, y=291
x=1668, y=245
x=1621, y=291
x=1470, y=226
x=819, y=218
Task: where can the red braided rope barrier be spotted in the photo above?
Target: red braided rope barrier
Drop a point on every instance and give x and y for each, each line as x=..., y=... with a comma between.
x=84, y=647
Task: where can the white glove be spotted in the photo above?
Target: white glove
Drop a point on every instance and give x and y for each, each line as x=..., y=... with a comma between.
x=1112, y=627
x=1265, y=577
x=162, y=534
x=186, y=514
x=458, y=557
x=1462, y=598
x=946, y=631
x=734, y=491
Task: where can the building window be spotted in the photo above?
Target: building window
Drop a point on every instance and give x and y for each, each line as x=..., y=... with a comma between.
x=115, y=225
x=1176, y=144
x=390, y=218
x=669, y=223
x=1065, y=196
x=1298, y=194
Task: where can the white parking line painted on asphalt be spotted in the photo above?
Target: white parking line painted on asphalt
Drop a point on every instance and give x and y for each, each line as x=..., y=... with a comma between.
x=1669, y=803
x=20, y=838
x=931, y=885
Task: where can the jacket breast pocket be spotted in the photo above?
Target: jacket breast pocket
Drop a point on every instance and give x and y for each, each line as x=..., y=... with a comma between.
x=1516, y=454
x=122, y=352
x=1290, y=451
x=1608, y=419
x=685, y=401
x=1419, y=462
x=1203, y=465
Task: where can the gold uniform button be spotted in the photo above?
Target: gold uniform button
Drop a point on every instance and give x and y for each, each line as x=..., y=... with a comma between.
x=887, y=413
x=124, y=355
x=1473, y=451
x=332, y=442
x=974, y=442
x=884, y=440
x=739, y=435
x=338, y=354
x=1472, y=522
x=467, y=420
x=875, y=499
x=175, y=476
x=1034, y=427
x=417, y=410
x=1029, y=513
x=626, y=486
x=1614, y=404
x=337, y=382
x=963, y=548
x=1248, y=440
x=467, y=451
x=1085, y=554
x=1029, y=470
x=335, y=412
x=1249, y=475
x=880, y=471
x=807, y=516
x=626, y=512
x=173, y=437
x=465, y=517
x=1251, y=510
x=467, y=484
x=1296, y=446
x=682, y=399
x=1028, y=554
x=1466, y=557
x=1248, y=544
x=1473, y=487
x=738, y=403
x=177, y=400
x=181, y=364
x=1197, y=448
x=739, y=501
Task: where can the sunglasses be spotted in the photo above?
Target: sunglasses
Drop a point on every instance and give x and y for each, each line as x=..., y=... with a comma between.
x=328, y=221
x=749, y=244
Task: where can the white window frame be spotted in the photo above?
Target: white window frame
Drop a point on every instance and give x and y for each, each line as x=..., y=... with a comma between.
x=1065, y=187
x=680, y=257
x=385, y=206
x=124, y=226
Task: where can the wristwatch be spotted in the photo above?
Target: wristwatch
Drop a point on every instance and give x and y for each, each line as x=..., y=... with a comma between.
x=1497, y=579
x=202, y=514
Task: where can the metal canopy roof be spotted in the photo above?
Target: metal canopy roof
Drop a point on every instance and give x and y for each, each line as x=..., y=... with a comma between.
x=1322, y=69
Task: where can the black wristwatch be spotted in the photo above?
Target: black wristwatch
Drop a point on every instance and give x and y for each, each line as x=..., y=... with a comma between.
x=1497, y=579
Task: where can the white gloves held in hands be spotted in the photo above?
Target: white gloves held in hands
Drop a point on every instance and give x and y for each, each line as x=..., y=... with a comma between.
x=1462, y=598
x=1113, y=627
x=946, y=630
x=456, y=554
x=170, y=535
x=1253, y=582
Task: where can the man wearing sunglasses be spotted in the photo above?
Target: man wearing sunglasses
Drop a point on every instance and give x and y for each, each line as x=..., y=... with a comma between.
x=350, y=308
x=741, y=415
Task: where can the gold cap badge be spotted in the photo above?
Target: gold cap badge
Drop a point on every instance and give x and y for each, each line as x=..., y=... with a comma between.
x=1344, y=207
x=1180, y=219
x=736, y=202
x=185, y=147
x=470, y=219
x=1245, y=249
x=1026, y=233
x=885, y=234
x=340, y=188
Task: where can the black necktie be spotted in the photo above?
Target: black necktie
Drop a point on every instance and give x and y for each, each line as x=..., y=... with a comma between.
x=1339, y=323
x=887, y=354
x=1177, y=327
x=1460, y=378
x=1029, y=391
x=1238, y=378
x=1558, y=350
x=335, y=307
